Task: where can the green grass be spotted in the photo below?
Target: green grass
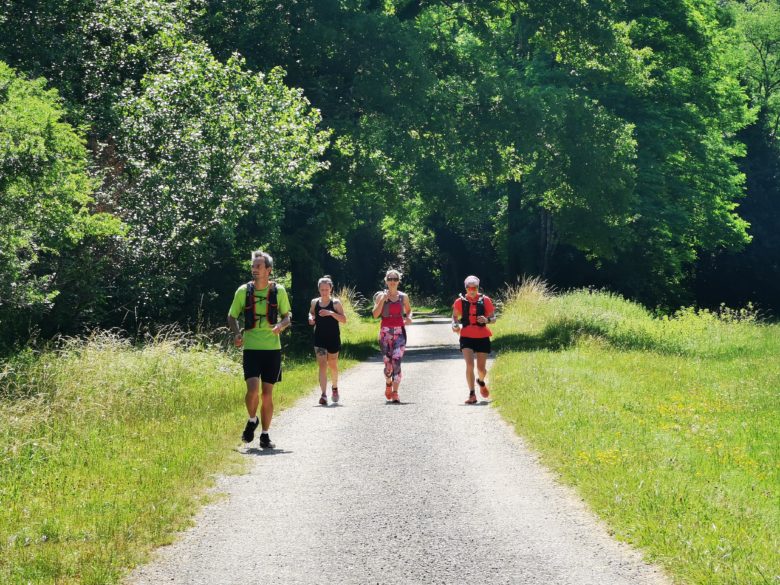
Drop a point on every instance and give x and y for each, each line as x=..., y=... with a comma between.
x=668, y=427
x=106, y=449
x=431, y=307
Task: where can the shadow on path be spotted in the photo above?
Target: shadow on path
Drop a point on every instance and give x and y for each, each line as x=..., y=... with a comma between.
x=431, y=352
x=257, y=452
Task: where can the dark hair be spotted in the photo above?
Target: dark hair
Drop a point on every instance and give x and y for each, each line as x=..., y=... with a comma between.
x=269, y=261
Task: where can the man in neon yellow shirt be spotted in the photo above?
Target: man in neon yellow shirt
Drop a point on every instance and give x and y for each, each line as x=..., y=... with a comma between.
x=266, y=310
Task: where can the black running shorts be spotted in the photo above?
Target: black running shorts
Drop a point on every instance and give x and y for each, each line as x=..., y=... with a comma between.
x=265, y=364
x=329, y=347
x=476, y=344
x=330, y=343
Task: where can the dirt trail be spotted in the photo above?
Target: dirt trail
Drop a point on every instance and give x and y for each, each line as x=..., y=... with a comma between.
x=428, y=491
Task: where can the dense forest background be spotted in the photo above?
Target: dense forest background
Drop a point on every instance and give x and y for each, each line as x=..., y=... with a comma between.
x=147, y=146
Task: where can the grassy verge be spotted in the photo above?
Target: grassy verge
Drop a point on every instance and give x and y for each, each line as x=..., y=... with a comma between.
x=669, y=428
x=106, y=449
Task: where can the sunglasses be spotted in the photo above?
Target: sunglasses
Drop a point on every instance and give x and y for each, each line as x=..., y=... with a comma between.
x=392, y=279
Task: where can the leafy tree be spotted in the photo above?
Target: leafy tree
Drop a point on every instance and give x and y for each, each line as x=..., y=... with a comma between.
x=205, y=144
x=754, y=274
x=123, y=41
x=44, y=38
x=758, y=23
x=618, y=131
x=362, y=69
x=591, y=142
x=92, y=51
x=45, y=197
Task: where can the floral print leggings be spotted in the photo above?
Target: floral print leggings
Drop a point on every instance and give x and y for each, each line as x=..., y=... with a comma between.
x=392, y=341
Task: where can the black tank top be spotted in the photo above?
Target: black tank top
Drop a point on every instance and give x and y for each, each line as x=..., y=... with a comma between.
x=326, y=329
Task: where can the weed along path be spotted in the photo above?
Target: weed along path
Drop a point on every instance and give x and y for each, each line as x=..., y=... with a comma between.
x=428, y=491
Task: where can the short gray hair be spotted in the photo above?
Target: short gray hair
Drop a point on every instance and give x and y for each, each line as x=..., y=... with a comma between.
x=269, y=261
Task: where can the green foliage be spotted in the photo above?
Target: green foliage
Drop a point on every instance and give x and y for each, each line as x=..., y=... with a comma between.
x=597, y=127
x=93, y=51
x=45, y=196
x=686, y=117
x=754, y=273
x=758, y=23
x=124, y=41
x=205, y=144
x=589, y=191
x=44, y=38
x=595, y=143
x=363, y=70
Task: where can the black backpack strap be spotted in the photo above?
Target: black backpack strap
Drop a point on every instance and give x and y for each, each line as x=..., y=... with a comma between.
x=481, y=308
x=464, y=311
x=272, y=305
x=465, y=308
x=250, y=307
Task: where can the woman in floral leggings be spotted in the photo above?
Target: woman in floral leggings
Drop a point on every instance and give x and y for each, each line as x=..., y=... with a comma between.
x=396, y=312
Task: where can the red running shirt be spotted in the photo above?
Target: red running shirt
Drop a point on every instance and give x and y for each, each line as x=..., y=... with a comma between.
x=396, y=318
x=473, y=330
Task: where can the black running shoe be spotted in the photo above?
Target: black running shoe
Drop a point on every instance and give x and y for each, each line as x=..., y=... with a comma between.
x=249, y=431
x=265, y=442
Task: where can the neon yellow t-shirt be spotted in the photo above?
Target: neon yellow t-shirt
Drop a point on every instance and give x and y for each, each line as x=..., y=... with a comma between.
x=260, y=337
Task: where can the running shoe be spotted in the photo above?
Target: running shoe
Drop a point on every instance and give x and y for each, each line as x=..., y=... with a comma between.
x=389, y=391
x=335, y=395
x=249, y=431
x=265, y=441
x=483, y=390
x=472, y=399
x=324, y=400
x=394, y=397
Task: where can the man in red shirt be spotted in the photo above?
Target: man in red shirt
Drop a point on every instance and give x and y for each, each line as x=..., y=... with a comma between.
x=470, y=315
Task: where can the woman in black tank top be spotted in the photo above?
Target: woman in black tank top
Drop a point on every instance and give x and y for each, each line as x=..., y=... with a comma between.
x=326, y=329
x=325, y=314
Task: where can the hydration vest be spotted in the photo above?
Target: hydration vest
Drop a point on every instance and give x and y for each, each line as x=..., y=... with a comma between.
x=250, y=308
x=465, y=310
x=386, y=306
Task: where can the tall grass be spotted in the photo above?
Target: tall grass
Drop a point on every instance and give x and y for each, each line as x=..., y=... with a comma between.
x=669, y=427
x=560, y=320
x=359, y=334
x=106, y=449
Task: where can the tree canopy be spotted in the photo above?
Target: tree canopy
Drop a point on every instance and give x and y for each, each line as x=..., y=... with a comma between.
x=625, y=145
x=45, y=196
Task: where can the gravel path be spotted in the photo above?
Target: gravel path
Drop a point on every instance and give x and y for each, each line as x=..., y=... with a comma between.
x=428, y=491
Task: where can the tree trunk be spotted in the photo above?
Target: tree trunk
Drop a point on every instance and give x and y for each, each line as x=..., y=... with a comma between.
x=515, y=237
x=548, y=241
x=303, y=243
x=304, y=284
